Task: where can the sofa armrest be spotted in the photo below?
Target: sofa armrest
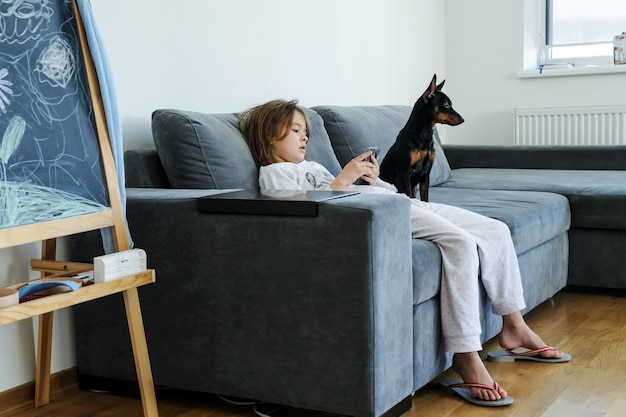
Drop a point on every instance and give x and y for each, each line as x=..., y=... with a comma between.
x=312, y=312
x=537, y=157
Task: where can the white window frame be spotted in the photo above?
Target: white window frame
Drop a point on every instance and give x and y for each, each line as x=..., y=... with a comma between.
x=578, y=61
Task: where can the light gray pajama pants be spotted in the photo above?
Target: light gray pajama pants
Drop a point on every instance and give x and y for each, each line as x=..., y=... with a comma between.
x=469, y=243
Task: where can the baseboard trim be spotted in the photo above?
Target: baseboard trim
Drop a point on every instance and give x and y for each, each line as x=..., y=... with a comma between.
x=21, y=398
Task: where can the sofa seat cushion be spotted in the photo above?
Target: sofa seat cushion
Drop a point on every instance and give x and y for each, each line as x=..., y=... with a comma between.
x=352, y=129
x=201, y=150
x=597, y=198
x=533, y=217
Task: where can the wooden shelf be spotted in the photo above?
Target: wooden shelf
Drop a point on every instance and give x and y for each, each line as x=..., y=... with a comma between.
x=91, y=292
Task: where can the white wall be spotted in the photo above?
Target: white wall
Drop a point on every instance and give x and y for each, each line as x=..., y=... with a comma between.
x=484, y=51
x=226, y=55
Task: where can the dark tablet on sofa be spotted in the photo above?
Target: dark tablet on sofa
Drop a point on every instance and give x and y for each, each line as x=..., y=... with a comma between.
x=279, y=202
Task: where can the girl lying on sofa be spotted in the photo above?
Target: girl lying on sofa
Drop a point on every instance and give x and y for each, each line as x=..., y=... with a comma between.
x=277, y=135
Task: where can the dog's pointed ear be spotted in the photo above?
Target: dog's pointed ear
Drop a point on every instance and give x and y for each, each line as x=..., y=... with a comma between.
x=440, y=86
x=431, y=90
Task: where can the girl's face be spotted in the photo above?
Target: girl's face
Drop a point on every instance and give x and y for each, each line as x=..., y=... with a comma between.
x=292, y=148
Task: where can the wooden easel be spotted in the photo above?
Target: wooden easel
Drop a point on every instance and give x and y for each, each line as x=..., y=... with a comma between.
x=48, y=231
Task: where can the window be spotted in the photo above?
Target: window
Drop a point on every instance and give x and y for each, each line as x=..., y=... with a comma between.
x=581, y=31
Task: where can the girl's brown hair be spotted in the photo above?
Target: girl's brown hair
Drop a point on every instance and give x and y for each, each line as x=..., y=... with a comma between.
x=263, y=124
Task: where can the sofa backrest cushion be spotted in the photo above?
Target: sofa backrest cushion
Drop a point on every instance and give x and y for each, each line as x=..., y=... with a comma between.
x=352, y=129
x=200, y=150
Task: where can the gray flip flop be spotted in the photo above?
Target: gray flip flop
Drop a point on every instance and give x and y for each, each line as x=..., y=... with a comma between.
x=460, y=388
x=529, y=355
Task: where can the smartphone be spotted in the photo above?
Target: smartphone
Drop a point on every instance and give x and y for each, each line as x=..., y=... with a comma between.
x=375, y=150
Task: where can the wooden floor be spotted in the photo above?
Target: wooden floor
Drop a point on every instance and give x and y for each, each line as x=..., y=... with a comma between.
x=589, y=327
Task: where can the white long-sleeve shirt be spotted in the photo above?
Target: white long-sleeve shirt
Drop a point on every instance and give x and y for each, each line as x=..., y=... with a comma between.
x=310, y=176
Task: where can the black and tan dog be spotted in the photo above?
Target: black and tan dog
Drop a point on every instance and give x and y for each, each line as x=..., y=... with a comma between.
x=410, y=159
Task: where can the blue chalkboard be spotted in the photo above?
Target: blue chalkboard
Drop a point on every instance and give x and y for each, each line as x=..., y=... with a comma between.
x=50, y=162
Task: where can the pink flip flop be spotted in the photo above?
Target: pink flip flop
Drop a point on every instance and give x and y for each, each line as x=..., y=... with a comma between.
x=528, y=355
x=462, y=389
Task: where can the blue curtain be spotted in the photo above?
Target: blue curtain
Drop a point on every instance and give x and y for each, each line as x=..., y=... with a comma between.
x=109, y=99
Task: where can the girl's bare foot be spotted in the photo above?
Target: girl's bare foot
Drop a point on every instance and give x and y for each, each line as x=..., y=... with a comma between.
x=516, y=333
x=471, y=369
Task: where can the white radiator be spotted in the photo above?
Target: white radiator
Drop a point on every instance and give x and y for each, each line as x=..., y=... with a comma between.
x=571, y=126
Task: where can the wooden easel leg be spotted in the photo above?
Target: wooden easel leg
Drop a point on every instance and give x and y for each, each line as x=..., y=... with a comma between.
x=140, y=352
x=44, y=341
x=44, y=354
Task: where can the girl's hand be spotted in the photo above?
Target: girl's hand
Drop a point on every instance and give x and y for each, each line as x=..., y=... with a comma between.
x=358, y=167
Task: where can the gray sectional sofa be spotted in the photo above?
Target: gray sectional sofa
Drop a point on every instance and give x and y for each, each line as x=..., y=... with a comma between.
x=336, y=313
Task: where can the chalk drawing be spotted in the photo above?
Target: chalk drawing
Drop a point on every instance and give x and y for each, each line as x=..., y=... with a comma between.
x=5, y=88
x=23, y=20
x=56, y=63
x=50, y=164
